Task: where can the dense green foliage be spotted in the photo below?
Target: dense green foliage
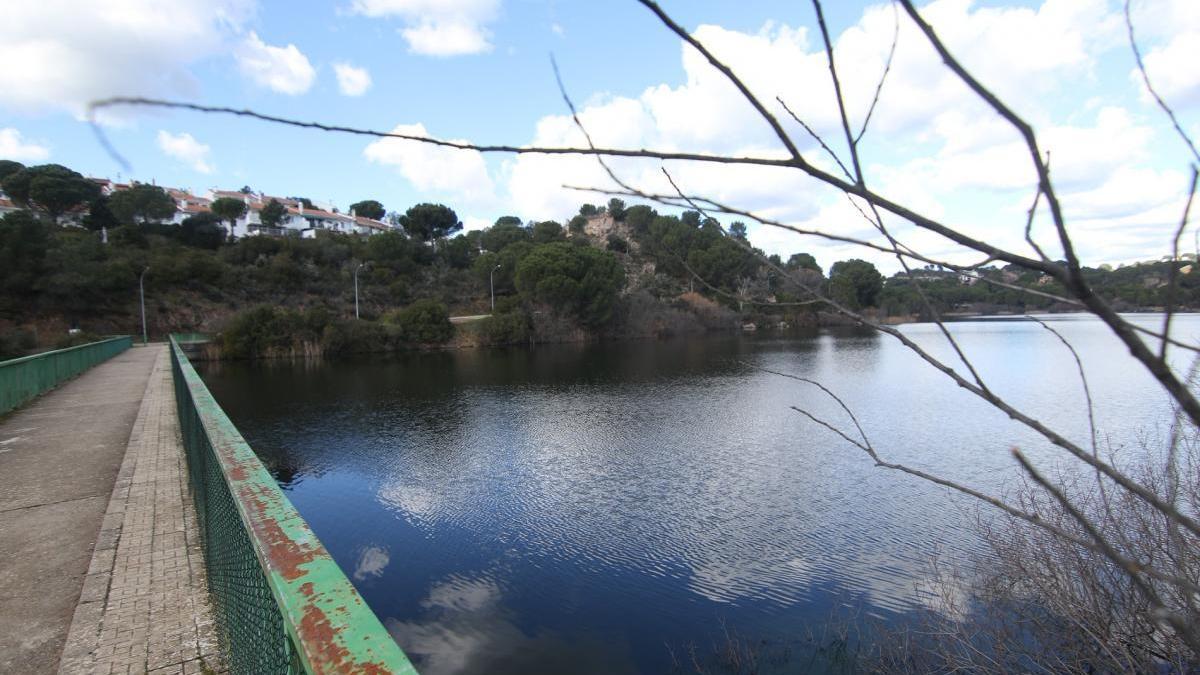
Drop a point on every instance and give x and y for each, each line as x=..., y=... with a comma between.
x=638, y=273
x=579, y=280
x=140, y=204
x=202, y=230
x=228, y=208
x=369, y=208
x=423, y=322
x=272, y=214
x=425, y=222
x=9, y=167
x=855, y=283
x=50, y=188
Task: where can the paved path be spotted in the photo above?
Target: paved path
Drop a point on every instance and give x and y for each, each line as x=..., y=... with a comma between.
x=115, y=553
x=468, y=319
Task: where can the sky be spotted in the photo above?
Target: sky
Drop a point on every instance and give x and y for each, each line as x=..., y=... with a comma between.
x=480, y=70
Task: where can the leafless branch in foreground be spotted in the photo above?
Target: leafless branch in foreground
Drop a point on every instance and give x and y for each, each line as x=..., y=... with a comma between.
x=1140, y=536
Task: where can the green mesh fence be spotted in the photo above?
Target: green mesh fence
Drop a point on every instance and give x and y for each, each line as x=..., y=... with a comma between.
x=281, y=604
x=25, y=378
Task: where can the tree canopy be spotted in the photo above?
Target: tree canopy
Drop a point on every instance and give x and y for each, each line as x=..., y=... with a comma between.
x=546, y=232
x=369, y=208
x=202, y=230
x=51, y=188
x=580, y=280
x=430, y=221
x=616, y=209
x=803, y=261
x=9, y=167
x=502, y=234
x=228, y=208
x=142, y=204
x=855, y=283
x=272, y=214
x=99, y=216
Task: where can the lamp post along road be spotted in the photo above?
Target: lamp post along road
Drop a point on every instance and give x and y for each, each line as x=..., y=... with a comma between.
x=492, y=286
x=142, y=299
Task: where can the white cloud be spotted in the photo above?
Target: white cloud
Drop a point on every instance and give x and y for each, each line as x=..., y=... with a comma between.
x=64, y=53
x=15, y=147
x=186, y=149
x=352, y=81
x=459, y=174
x=282, y=69
x=1168, y=33
x=932, y=143
x=438, y=27
x=1172, y=69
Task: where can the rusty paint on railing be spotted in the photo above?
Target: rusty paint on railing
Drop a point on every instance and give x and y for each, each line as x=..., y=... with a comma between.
x=330, y=626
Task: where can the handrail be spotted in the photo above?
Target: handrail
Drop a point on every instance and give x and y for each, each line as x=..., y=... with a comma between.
x=25, y=378
x=282, y=603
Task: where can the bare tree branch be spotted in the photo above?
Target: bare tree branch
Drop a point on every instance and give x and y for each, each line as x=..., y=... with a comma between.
x=837, y=92
x=1173, y=272
x=1137, y=55
x=816, y=137
x=1072, y=276
x=737, y=82
x=887, y=69
x=1132, y=568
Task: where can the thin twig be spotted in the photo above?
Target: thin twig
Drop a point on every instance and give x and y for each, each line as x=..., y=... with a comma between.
x=837, y=91
x=1173, y=272
x=816, y=137
x=1137, y=55
x=887, y=68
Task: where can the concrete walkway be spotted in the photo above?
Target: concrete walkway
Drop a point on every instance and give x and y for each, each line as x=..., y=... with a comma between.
x=115, y=554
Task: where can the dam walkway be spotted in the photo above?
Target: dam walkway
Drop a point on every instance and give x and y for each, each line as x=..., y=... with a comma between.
x=100, y=563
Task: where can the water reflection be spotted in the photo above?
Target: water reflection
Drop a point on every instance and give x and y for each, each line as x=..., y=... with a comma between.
x=464, y=627
x=535, y=510
x=371, y=562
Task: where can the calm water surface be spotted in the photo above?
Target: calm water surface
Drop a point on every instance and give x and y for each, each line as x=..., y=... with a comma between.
x=596, y=508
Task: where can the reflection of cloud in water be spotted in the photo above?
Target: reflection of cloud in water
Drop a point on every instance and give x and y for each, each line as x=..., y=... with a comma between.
x=464, y=629
x=371, y=562
x=735, y=578
x=418, y=503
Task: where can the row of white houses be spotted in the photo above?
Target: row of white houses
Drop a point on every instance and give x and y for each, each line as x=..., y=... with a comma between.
x=305, y=221
x=299, y=219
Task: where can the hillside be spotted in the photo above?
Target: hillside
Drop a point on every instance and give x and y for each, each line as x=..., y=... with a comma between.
x=612, y=272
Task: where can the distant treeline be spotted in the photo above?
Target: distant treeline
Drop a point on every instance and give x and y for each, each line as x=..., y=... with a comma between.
x=611, y=271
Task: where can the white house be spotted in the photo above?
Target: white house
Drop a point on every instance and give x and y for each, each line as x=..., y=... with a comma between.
x=298, y=219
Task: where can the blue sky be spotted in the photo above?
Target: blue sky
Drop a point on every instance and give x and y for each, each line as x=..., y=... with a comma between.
x=480, y=70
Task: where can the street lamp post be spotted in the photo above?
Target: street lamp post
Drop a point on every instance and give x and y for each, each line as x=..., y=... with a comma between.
x=356, y=269
x=492, y=286
x=142, y=298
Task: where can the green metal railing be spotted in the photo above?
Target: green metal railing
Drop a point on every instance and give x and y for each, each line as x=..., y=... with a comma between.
x=27, y=377
x=282, y=605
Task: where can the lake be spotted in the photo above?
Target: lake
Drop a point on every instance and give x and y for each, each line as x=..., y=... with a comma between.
x=607, y=508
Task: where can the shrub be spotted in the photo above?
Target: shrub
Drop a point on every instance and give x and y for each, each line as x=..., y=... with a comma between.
x=76, y=339
x=506, y=329
x=354, y=337
x=423, y=322
x=259, y=331
x=15, y=344
x=579, y=280
x=617, y=243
